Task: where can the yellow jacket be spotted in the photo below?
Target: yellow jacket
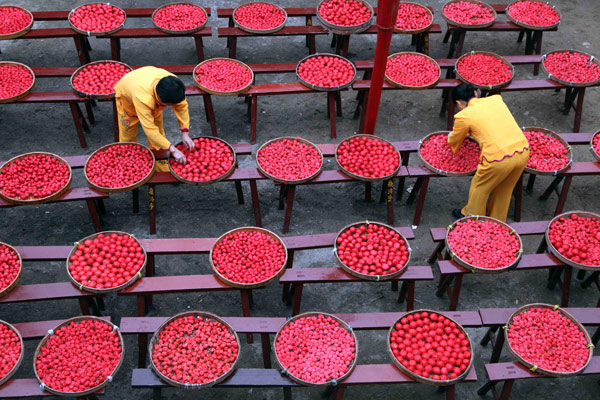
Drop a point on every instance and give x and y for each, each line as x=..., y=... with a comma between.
x=137, y=93
x=489, y=121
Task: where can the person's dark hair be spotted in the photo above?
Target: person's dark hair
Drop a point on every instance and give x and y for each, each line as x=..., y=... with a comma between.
x=170, y=90
x=464, y=92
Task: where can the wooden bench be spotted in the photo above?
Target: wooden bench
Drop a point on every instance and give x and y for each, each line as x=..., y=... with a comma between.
x=509, y=372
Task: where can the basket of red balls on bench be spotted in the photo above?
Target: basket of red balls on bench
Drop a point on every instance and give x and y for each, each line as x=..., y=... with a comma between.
x=437, y=155
x=289, y=160
x=411, y=70
x=413, y=18
x=16, y=21
x=535, y=15
x=572, y=68
x=16, y=81
x=549, y=153
x=97, y=19
x=13, y=351
x=97, y=79
x=574, y=238
x=381, y=164
x=484, y=70
x=259, y=17
x=326, y=72
x=469, y=14
x=179, y=18
x=595, y=145
x=223, y=76
x=210, y=161
x=345, y=17
x=11, y=268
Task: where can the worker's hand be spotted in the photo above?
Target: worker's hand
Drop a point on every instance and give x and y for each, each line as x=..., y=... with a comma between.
x=188, y=143
x=177, y=155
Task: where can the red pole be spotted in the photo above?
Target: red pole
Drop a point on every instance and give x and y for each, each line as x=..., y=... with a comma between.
x=387, y=11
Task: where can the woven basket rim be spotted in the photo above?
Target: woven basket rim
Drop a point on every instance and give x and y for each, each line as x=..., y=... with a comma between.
x=419, y=30
x=326, y=88
x=342, y=323
x=204, y=314
x=533, y=27
x=346, y=30
x=567, y=83
x=218, y=93
x=556, y=136
x=260, y=31
x=470, y=26
x=15, y=281
x=19, y=33
x=26, y=91
x=554, y=250
x=106, y=33
x=439, y=171
x=491, y=54
x=295, y=181
x=419, y=378
x=410, y=87
x=366, y=277
x=95, y=95
x=594, y=152
x=254, y=285
x=124, y=188
x=531, y=366
x=364, y=178
x=185, y=31
x=474, y=268
x=19, y=361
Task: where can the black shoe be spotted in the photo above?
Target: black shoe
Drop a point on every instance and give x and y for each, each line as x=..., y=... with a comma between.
x=457, y=214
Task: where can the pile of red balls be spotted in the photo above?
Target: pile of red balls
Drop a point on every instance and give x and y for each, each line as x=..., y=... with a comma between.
x=326, y=71
x=11, y=349
x=14, y=80
x=316, y=348
x=179, y=17
x=100, y=78
x=412, y=17
x=97, y=17
x=368, y=157
x=194, y=350
x=533, y=13
x=372, y=249
x=107, y=261
x=289, y=159
x=430, y=345
x=10, y=266
x=34, y=176
x=484, y=244
x=437, y=152
x=259, y=16
x=412, y=70
x=596, y=143
x=549, y=340
x=577, y=238
x=223, y=75
x=248, y=256
x=79, y=356
x=209, y=159
x=119, y=166
x=13, y=20
x=546, y=153
x=344, y=12
x=572, y=67
x=483, y=69
x=466, y=13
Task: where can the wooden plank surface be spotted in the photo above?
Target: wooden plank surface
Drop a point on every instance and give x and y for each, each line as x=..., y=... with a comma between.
x=528, y=261
x=499, y=316
x=334, y=274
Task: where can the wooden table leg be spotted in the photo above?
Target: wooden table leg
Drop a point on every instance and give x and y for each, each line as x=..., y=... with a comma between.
x=297, y=302
x=135, y=199
x=78, y=125
x=551, y=188
x=149, y=273
x=255, y=203
x=152, y=207
x=562, y=198
x=537, y=38
x=578, y=109
x=287, y=393
x=410, y=296
x=590, y=279
x=246, y=311
x=79, y=49
x=142, y=349
x=156, y=393
x=438, y=249
x=83, y=305
x=518, y=199
x=363, y=113
x=199, y=48
x=253, y=118
x=566, y=286
x=210, y=114
x=488, y=335
x=554, y=276
x=450, y=116
x=266, y=349
x=455, y=294
x=115, y=117
x=338, y=103
x=405, y=157
x=461, y=41
x=530, y=182
x=420, y=202
x=450, y=392
x=415, y=191
x=115, y=49
x=283, y=189
x=141, y=305
x=233, y=47
x=444, y=285
x=285, y=293
x=239, y=192
x=90, y=112
x=288, y=209
x=596, y=336
x=93, y=210
x=368, y=192
x=497, y=349
x=390, y=202
x=331, y=112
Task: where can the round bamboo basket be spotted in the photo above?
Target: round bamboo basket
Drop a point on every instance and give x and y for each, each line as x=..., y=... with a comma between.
x=204, y=183
x=346, y=30
x=553, y=250
x=410, y=87
x=470, y=26
x=130, y=282
x=120, y=189
x=594, y=152
x=420, y=378
x=185, y=31
x=95, y=95
x=23, y=31
x=27, y=91
x=533, y=367
x=206, y=315
x=14, y=369
x=283, y=181
x=475, y=268
x=367, y=277
x=217, y=93
x=43, y=199
x=82, y=32
x=248, y=285
x=439, y=171
x=325, y=88
x=556, y=136
x=485, y=87
x=13, y=284
x=533, y=27
x=420, y=30
x=260, y=31
x=84, y=392
x=365, y=178
x=343, y=324
x=567, y=83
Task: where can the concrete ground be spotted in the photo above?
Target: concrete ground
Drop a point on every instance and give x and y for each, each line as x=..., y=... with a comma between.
x=186, y=211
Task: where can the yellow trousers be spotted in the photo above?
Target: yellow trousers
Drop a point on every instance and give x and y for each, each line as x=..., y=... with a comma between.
x=128, y=130
x=496, y=179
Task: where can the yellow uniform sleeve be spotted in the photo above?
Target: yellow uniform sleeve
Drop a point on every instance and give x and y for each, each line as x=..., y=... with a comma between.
x=144, y=114
x=458, y=134
x=181, y=112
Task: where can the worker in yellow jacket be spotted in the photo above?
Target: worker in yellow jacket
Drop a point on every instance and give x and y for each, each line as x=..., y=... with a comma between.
x=141, y=97
x=504, y=151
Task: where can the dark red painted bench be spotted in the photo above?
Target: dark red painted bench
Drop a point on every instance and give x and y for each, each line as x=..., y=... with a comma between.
x=508, y=373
